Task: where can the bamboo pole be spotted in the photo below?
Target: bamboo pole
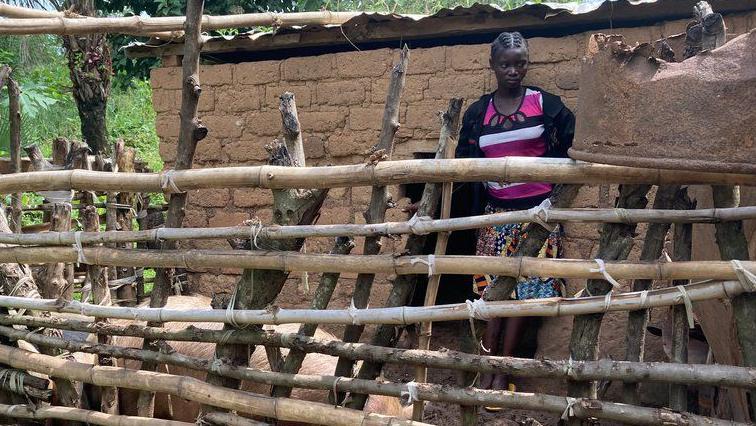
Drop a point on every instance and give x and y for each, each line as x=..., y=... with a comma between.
x=14, y=130
x=426, y=328
x=376, y=210
x=713, y=374
x=85, y=416
x=401, y=265
x=194, y=390
x=430, y=392
x=277, y=232
x=404, y=285
x=139, y=25
x=191, y=131
x=508, y=169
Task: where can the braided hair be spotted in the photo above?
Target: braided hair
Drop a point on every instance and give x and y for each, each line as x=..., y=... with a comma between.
x=513, y=40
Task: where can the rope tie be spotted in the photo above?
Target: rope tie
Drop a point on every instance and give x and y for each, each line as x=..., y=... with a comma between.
x=159, y=234
x=255, y=227
x=414, y=222
x=570, y=368
x=475, y=309
x=747, y=278
x=230, y=314
x=216, y=365
x=540, y=213
x=644, y=299
x=569, y=410
x=602, y=269
x=225, y=337
x=410, y=395
x=688, y=305
x=167, y=183
x=80, y=258
x=352, y=311
x=335, y=393
x=431, y=262
x=623, y=216
x=14, y=379
x=607, y=301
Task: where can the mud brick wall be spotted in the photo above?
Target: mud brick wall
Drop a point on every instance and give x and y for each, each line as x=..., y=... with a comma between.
x=340, y=98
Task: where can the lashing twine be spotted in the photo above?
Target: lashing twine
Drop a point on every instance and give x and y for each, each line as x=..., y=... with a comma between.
x=540, y=213
x=80, y=258
x=414, y=222
x=431, y=262
x=14, y=379
x=167, y=183
x=255, y=227
x=407, y=397
x=688, y=305
x=569, y=411
x=602, y=269
x=747, y=278
x=352, y=311
x=475, y=311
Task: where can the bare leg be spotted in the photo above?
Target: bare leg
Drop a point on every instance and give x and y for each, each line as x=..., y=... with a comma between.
x=513, y=330
x=491, y=340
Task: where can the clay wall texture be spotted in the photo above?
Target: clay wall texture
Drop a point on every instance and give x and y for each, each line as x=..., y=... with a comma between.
x=340, y=98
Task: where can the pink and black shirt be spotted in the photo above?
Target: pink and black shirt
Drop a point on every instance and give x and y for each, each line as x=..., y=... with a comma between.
x=520, y=134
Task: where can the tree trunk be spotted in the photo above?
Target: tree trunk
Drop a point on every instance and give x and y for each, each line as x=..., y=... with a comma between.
x=90, y=67
x=376, y=211
x=320, y=300
x=258, y=288
x=190, y=133
x=637, y=321
x=683, y=248
x=404, y=285
x=615, y=244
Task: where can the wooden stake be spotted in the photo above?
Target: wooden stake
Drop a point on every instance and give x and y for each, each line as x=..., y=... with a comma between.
x=190, y=133
x=683, y=248
x=259, y=288
x=195, y=390
x=14, y=126
x=124, y=218
x=615, y=244
x=320, y=300
x=433, y=281
x=379, y=201
x=404, y=285
x=637, y=321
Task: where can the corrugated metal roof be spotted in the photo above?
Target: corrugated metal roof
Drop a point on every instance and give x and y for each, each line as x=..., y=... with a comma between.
x=459, y=25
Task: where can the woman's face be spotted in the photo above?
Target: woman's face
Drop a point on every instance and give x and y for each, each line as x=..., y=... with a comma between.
x=509, y=66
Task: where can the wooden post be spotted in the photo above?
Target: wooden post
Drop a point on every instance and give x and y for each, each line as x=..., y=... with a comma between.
x=97, y=278
x=683, y=249
x=190, y=133
x=376, y=211
x=125, y=294
x=637, y=321
x=14, y=124
x=258, y=288
x=111, y=199
x=615, y=244
x=294, y=358
x=426, y=328
x=404, y=285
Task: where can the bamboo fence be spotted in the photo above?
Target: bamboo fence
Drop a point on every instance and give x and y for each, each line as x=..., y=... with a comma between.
x=194, y=390
x=420, y=226
x=79, y=415
x=424, y=392
x=708, y=374
x=401, y=315
x=508, y=169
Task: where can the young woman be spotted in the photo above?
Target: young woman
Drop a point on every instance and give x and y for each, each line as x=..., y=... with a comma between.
x=514, y=120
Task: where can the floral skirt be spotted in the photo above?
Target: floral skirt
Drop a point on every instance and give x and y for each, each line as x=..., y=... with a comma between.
x=503, y=240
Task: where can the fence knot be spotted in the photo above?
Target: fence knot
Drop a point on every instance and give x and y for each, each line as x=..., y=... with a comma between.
x=688, y=305
x=569, y=410
x=352, y=311
x=540, y=213
x=602, y=270
x=431, y=262
x=167, y=183
x=407, y=397
x=747, y=278
x=415, y=221
x=80, y=258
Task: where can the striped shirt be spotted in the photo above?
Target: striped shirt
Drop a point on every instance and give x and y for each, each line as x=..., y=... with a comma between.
x=520, y=134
